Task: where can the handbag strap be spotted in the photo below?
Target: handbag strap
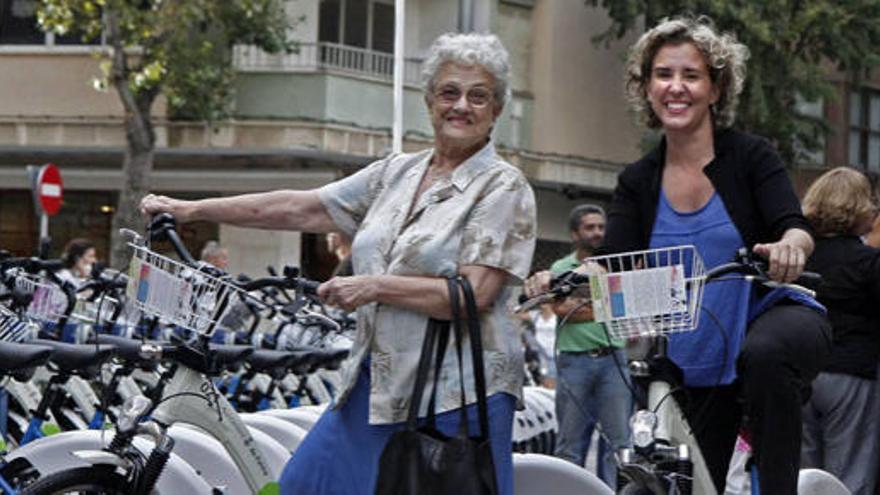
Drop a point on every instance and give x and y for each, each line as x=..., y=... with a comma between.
x=431, y=333
x=455, y=305
x=442, y=330
x=476, y=354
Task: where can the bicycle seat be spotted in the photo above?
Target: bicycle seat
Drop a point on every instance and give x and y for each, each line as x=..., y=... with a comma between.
x=73, y=358
x=331, y=359
x=227, y=356
x=275, y=362
x=15, y=357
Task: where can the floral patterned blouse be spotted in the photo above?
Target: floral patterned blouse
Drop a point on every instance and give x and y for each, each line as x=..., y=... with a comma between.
x=481, y=214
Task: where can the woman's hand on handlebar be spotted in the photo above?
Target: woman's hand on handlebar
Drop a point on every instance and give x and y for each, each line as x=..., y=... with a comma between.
x=153, y=204
x=348, y=292
x=538, y=283
x=786, y=258
x=544, y=281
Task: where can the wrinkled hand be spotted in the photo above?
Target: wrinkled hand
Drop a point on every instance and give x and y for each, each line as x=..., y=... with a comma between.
x=348, y=292
x=538, y=283
x=592, y=268
x=152, y=205
x=786, y=259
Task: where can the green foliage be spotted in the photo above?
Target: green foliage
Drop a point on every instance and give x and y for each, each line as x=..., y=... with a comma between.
x=795, y=45
x=179, y=47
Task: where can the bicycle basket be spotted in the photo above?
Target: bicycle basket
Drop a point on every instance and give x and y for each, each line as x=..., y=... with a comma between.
x=648, y=293
x=48, y=301
x=162, y=287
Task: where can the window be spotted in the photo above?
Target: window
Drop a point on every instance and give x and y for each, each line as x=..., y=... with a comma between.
x=864, y=129
x=813, y=110
x=361, y=23
x=18, y=23
x=18, y=26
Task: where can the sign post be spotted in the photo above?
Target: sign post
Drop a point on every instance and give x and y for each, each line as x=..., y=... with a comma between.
x=48, y=191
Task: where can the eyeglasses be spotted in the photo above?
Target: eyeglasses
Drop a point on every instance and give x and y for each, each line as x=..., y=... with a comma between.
x=476, y=97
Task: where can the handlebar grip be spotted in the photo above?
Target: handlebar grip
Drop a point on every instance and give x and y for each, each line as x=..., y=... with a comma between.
x=309, y=287
x=810, y=280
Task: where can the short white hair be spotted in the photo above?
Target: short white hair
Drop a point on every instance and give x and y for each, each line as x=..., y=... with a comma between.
x=484, y=50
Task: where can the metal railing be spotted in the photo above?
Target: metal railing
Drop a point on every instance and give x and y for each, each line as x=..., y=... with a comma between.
x=327, y=56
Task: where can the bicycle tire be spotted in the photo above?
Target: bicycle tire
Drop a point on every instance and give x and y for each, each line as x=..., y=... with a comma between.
x=633, y=489
x=96, y=480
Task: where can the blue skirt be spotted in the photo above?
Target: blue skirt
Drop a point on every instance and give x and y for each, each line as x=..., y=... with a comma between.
x=340, y=455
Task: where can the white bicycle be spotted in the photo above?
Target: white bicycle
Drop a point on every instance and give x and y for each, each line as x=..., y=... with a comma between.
x=651, y=294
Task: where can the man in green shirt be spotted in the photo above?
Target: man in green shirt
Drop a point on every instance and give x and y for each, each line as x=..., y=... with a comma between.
x=591, y=365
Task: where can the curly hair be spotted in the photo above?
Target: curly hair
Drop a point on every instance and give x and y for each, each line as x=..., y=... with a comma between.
x=724, y=55
x=838, y=200
x=484, y=50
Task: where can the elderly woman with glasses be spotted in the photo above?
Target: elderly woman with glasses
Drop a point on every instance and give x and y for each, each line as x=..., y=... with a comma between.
x=415, y=219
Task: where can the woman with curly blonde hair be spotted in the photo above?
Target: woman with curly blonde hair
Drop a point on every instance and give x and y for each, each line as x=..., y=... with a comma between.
x=720, y=189
x=841, y=434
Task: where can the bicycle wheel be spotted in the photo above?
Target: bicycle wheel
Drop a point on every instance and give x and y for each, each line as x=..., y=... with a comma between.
x=632, y=489
x=98, y=480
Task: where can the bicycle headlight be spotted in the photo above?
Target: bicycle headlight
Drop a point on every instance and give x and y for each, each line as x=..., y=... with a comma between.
x=133, y=410
x=643, y=424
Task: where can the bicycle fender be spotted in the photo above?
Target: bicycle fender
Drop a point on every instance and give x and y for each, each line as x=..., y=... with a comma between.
x=288, y=435
x=58, y=452
x=102, y=458
x=303, y=417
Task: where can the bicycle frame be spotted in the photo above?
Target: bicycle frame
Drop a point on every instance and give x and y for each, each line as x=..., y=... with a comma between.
x=203, y=411
x=662, y=435
x=674, y=428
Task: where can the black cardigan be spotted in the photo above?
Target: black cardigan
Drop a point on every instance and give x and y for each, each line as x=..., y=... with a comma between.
x=747, y=173
x=850, y=290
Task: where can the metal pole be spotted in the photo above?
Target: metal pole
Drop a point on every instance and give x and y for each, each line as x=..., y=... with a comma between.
x=465, y=16
x=397, y=125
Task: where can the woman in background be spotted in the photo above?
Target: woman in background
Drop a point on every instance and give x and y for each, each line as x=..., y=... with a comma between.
x=841, y=434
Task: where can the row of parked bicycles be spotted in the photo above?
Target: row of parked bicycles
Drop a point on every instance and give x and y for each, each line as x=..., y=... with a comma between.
x=175, y=377
x=172, y=377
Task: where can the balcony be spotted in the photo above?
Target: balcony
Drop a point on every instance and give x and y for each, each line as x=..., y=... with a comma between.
x=338, y=85
x=329, y=57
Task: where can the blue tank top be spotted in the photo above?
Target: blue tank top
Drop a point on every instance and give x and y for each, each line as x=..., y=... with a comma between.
x=707, y=355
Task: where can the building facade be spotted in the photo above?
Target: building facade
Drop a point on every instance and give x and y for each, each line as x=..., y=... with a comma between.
x=305, y=119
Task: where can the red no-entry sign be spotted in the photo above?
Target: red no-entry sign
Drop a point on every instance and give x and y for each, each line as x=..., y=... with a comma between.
x=49, y=189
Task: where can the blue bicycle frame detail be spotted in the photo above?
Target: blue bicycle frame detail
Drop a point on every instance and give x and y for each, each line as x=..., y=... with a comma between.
x=6, y=488
x=97, y=422
x=34, y=431
x=753, y=472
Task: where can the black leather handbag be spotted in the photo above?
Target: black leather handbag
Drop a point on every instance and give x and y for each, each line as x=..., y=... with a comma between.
x=422, y=460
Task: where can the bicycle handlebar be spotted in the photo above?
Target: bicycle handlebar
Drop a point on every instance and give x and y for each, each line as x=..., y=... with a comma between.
x=309, y=287
x=32, y=264
x=744, y=264
x=561, y=285
x=164, y=226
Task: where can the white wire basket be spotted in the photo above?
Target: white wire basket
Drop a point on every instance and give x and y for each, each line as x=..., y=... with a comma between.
x=48, y=302
x=648, y=293
x=176, y=293
x=96, y=311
